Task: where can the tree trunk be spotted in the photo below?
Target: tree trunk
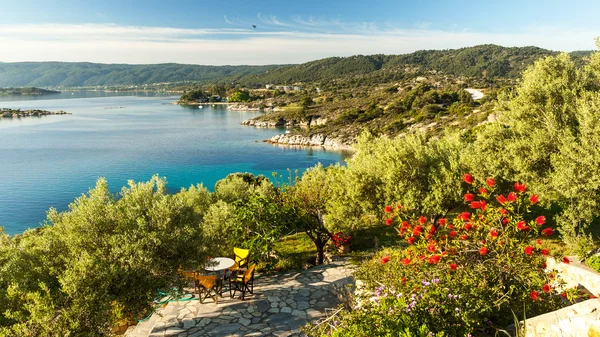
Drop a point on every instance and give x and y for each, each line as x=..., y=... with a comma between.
x=320, y=252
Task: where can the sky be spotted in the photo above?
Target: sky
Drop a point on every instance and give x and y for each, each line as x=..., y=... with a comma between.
x=219, y=32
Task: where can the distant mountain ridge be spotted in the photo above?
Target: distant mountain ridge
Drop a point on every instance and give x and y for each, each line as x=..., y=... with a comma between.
x=68, y=74
x=489, y=61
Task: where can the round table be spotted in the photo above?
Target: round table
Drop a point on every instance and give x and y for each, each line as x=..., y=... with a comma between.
x=219, y=264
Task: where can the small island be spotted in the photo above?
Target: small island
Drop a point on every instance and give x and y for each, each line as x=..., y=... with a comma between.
x=4, y=112
x=26, y=92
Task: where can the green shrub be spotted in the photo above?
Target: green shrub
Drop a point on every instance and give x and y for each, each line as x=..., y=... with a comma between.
x=593, y=262
x=458, y=277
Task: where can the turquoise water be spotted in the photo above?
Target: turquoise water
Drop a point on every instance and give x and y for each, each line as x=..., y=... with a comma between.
x=49, y=161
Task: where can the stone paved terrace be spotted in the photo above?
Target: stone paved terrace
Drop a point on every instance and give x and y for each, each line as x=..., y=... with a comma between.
x=280, y=306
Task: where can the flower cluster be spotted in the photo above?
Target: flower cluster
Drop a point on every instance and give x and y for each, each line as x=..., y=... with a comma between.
x=495, y=243
x=340, y=239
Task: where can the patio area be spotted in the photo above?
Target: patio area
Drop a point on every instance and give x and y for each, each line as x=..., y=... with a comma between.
x=281, y=305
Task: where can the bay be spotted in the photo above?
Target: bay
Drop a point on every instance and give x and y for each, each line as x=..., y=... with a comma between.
x=49, y=161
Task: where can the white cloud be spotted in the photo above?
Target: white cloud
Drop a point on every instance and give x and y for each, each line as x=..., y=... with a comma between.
x=109, y=43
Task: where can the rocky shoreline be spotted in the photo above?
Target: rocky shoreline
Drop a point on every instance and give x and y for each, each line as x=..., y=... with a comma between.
x=30, y=113
x=312, y=140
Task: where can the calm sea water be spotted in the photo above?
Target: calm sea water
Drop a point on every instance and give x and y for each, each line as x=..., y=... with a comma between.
x=49, y=161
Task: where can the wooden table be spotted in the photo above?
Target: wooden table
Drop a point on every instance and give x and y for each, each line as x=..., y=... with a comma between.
x=217, y=265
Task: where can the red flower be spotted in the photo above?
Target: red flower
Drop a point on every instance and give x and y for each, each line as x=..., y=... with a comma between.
x=520, y=187
x=538, y=241
x=405, y=224
x=434, y=259
x=450, y=226
x=543, y=265
x=464, y=237
x=405, y=261
x=411, y=240
x=540, y=220
x=385, y=259
x=452, y=266
x=388, y=221
x=490, y=182
x=494, y=233
x=483, y=251
x=483, y=191
x=418, y=229
x=442, y=221
x=468, y=226
x=546, y=288
x=501, y=199
x=547, y=232
x=467, y=178
x=422, y=220
x=503, y=211
x=464, y=216
x=505, y=221
x=432, y=229
x=431, y=247
x=563, y=294
x=469, y=197
x=388, y=209
x=534, y=295
x=566, y=260
x=475, y=204
x=452, y=234
x=545, y=252
x=483, y=205
x=512, y=196
x=529, y=250
x=522, y=226
x=534, y=199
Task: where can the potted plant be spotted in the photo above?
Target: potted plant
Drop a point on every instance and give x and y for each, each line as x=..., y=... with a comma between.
x=341, y=241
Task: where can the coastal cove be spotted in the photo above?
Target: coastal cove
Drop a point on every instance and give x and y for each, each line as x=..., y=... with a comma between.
x=48, y=162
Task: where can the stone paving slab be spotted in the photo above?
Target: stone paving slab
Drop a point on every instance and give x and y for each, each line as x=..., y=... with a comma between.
x=280, y=306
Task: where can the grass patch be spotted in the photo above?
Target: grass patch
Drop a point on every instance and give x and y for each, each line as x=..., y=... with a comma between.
x=293, y=251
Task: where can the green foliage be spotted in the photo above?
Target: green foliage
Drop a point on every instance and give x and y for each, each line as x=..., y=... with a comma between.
x=306, y=200
x=193, y=95
x=74, y=276
x=549, y=136
x=593, y=262
x=413, y=171
x=240, y=96
x=248, y=213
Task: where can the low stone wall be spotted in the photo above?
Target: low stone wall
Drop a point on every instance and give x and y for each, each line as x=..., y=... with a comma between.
x=581, y=319
x=576, y=274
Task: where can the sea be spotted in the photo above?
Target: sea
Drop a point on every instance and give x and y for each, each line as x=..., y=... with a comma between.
x=51, y=160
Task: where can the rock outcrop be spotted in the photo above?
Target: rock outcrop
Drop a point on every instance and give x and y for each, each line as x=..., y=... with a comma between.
x=30, y=113
x=313, y=140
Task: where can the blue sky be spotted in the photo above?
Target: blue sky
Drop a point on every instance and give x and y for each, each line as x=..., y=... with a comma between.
x=221, y=32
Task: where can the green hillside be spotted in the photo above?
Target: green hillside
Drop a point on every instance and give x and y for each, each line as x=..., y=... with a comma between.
x=488, y=61
x=65, y=74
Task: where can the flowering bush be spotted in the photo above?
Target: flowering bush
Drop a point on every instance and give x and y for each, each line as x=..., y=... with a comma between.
x=462, y=276
x=340, y=239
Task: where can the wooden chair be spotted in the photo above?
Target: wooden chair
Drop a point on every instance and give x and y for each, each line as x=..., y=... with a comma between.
x=244, y=283
x=207, y=285
x=190, y=276
x=242, y=259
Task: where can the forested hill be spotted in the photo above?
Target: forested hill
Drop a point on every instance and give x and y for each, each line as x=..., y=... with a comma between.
x=66, y=74
x=489, y=61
